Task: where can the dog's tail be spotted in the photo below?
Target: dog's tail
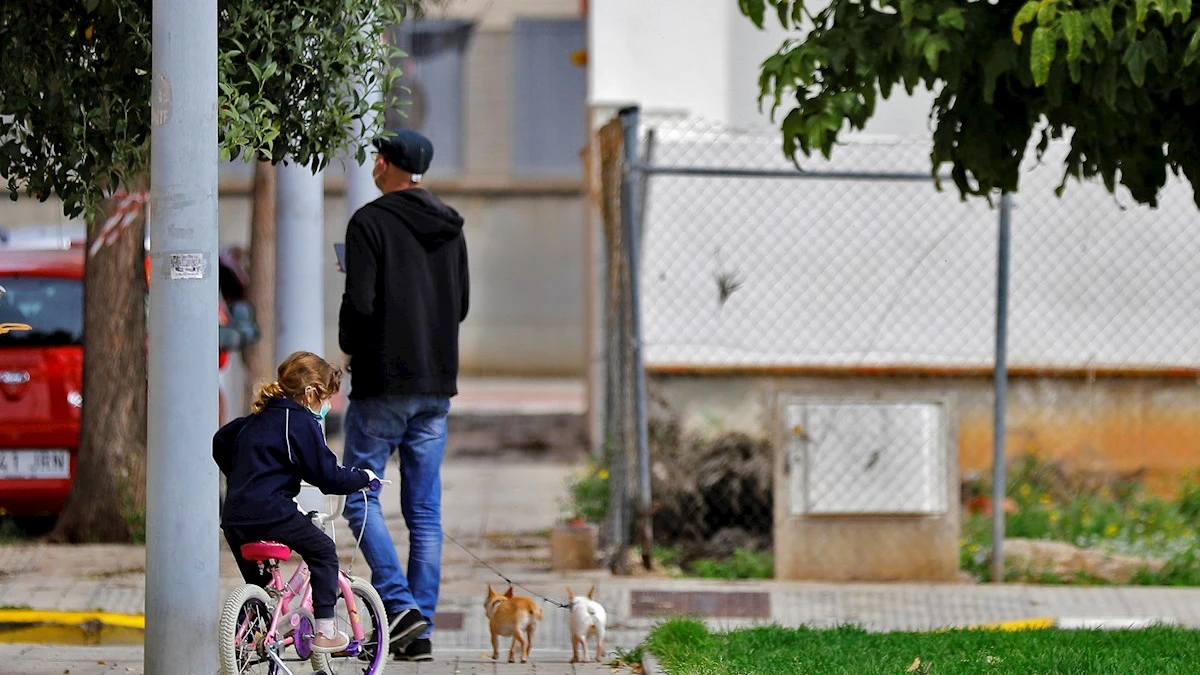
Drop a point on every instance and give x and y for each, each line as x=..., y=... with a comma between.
x=537, y=612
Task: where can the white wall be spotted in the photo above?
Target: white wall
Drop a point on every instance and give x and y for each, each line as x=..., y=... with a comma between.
x=662, y=54
x=749, y=48
x=527, y=277
x=499, y=14
x=701, y=58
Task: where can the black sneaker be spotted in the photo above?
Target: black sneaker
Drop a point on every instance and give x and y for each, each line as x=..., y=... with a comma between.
x=420, y=649
x=406, y=627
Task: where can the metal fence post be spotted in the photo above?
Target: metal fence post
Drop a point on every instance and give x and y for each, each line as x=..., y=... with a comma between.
x=629, y=217
x=644, y=185
x=182, y=551
x=1001, y=389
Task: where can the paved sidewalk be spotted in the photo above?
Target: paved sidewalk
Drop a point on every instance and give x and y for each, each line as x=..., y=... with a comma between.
x=520, y=396
x=57, y=660
x=502, y=510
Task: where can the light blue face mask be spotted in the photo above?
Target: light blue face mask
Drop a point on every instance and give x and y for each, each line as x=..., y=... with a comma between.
x=325, y=408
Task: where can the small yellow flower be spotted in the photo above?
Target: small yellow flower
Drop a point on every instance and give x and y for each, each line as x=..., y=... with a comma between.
x=1026, y=490
x=603, y=474
x=1111, y=530
x=1044, y=499
x=1053, y=517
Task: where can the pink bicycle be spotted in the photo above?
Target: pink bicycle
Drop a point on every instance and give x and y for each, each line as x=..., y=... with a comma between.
x=262, y=630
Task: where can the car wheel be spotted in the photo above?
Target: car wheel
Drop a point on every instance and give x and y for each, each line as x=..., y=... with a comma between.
x=35, y=526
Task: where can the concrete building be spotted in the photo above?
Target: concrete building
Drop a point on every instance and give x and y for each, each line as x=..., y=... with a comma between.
x=500, y=87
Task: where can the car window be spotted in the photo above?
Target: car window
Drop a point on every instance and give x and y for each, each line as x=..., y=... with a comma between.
x=51, y=307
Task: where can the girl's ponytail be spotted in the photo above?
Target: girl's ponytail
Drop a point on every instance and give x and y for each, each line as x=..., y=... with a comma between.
x=264, y=393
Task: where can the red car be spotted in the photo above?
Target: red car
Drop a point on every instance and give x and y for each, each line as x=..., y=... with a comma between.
x=41, y=380
x=41, y=375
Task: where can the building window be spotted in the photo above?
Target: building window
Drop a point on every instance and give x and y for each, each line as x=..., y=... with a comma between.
x=433, y=71
x=550, y=97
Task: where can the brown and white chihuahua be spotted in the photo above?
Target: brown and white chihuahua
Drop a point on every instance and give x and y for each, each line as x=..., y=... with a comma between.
x=513, y=617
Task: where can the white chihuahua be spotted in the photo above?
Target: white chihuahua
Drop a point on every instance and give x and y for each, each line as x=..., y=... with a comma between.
x=588, y=619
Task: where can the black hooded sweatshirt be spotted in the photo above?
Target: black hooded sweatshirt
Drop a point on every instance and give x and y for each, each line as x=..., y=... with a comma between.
x=407, y=289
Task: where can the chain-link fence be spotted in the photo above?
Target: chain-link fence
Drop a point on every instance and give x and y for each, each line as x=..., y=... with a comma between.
x=820, y=348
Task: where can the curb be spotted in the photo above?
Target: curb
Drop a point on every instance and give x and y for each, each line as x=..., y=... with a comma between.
x=651, y=666
x=1036, y=623
x=62, y=618
x=1075, y=623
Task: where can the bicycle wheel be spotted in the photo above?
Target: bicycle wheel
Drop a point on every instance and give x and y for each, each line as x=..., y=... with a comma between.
x=245, y=620
x=373, y=618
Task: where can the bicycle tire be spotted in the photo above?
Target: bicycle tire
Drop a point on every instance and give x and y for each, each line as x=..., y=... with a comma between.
x=242, y=596
x=370, y=608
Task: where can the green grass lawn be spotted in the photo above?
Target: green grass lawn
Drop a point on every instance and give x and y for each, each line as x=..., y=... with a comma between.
x=686, y=647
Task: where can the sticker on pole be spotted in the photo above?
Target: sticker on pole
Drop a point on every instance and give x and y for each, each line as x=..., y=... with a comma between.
x=187, y=266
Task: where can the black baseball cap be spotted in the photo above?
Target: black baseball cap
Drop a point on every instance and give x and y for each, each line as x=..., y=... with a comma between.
x=407, y=150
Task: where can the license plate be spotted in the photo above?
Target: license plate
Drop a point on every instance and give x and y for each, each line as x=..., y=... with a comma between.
x=34, y=464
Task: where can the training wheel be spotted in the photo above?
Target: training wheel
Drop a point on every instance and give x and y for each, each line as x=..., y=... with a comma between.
x=303, y=629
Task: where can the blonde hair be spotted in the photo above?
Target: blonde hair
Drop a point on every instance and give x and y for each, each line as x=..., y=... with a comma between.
x=298, y=372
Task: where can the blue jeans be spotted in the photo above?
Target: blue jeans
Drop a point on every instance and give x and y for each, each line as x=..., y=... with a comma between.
x=415, y=427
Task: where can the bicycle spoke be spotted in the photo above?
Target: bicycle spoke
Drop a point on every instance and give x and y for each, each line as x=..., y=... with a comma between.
x=252, y=652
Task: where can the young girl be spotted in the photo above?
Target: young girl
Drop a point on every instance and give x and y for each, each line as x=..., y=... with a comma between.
x=264, y=456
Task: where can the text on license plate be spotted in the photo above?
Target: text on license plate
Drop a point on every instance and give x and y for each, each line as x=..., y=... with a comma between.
x=35, y=464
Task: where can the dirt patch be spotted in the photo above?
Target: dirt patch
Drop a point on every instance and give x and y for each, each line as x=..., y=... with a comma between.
x=712, y=496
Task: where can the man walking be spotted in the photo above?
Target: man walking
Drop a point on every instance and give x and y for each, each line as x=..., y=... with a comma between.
x=406, y=292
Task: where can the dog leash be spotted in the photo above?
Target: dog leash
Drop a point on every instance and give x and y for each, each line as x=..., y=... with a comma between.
x=500, y=574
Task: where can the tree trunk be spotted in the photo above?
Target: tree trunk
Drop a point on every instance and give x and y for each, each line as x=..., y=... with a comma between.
x=107, y=502
x=259, y=357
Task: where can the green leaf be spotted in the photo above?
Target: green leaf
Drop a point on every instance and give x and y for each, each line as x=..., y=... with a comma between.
x=1102, y=17
x=1041, y=54
x=1135, y=60
x=754, y=9
x=1075, y=70
x=1142, y=8
x=934, y=46
x=955, y=17
x=1156, y=50
x=1047, y=13
x=781, y=11
x=999, y=60
x=1027, y=14
x=90, y=5
x=1074, y=26
x=1193, y=49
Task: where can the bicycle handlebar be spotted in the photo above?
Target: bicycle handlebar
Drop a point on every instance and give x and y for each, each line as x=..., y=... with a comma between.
x=339, y=505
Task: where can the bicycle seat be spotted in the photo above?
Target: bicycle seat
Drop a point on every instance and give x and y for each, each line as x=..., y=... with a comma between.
x=262, y=551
